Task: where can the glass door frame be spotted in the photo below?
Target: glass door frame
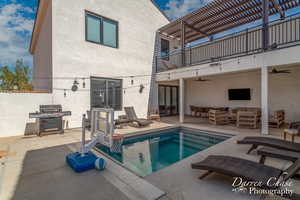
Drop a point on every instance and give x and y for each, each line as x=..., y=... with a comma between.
x=170, y=110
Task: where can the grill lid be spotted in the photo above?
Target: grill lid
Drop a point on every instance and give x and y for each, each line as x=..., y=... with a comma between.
x=50, y=108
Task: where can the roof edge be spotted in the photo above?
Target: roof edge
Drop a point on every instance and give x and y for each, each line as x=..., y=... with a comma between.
x=160, y=10
x=38, y=21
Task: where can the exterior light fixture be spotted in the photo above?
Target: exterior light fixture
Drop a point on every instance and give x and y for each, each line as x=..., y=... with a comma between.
x=131, y=80
x=65, y=93
x=141, y=88
x=75, y=86
x=83, y=83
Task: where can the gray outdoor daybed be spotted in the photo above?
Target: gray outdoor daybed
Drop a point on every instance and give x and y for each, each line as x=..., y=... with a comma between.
x=246, y=169
x=269, y=142
x=131, y=116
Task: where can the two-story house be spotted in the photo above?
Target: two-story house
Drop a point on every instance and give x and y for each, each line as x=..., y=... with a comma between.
x=118, y=53
x=105, y=46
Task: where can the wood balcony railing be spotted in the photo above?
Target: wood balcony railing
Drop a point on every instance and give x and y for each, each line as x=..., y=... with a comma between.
x=282, y=34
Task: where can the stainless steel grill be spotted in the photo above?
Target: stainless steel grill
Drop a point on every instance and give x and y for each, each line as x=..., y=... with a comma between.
x=49, y=118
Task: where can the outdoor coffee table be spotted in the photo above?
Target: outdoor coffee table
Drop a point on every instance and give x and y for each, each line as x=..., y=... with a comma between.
x=292, y=133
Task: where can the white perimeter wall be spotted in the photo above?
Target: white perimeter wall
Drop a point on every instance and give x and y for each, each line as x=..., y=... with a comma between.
x=15, y=109
x=74, y=57
x=283, y=91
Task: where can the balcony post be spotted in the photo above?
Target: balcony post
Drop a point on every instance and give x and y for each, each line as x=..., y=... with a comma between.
x=156, y=63
x=247, y=41
x=264, y=101
x=183, y=43
x=181, y=100
x=191, y=56
x=265, y=24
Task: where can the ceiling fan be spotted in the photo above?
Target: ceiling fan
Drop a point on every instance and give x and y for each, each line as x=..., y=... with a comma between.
x=202, y=79
x=275, y=71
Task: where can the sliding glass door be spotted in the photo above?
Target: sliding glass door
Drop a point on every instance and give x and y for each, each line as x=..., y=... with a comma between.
x=168, y=100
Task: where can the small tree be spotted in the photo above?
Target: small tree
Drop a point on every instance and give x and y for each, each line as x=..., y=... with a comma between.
x=17, y=79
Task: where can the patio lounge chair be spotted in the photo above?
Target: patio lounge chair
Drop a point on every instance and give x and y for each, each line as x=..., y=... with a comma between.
x=277, y=153
x=169, y=65
x=246, y=169
x=269, y=142
x=131, y=116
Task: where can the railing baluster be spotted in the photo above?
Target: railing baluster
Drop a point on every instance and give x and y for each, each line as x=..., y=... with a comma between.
x=291, y=31
x=295, y=27
x=191, y=56
x=286, y=32
x=156, y=67
x=299, y=28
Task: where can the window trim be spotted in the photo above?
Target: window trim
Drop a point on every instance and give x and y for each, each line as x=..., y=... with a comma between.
x=107, y=79
x=102, y=18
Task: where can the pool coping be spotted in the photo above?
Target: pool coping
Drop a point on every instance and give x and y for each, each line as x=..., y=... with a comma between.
x=138, y=183
x=150, y=132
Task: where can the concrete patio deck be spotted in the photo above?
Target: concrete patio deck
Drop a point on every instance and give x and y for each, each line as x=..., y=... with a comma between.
x=35, y=169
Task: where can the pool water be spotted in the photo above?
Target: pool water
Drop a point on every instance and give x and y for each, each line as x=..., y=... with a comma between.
x=154, y=151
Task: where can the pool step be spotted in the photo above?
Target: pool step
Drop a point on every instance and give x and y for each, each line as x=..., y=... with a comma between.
x=205, y=137
x=194, y=144
x=199, y=139
x=191, y=145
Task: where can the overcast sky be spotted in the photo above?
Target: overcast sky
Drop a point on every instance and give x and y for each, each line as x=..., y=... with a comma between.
x=17, y=19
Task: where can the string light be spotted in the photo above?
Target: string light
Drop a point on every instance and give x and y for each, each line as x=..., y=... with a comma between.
x=83, y=83
x=141, y=88
x=74, y=86
x=131, y=80
x=75, y=83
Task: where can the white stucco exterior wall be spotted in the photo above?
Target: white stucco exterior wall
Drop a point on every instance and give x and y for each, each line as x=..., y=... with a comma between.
x=74, y=57
x=42, y=58
x=15, y=109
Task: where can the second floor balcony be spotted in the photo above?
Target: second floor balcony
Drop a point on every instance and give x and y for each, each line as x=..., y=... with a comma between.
x=268, y=36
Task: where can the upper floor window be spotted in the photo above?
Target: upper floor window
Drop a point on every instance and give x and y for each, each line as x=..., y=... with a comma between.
x=101, y=30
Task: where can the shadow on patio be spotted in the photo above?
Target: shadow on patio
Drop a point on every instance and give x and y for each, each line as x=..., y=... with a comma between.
x=45, y=175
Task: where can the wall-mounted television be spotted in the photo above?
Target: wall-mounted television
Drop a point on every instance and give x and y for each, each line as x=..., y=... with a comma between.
x=239, y=94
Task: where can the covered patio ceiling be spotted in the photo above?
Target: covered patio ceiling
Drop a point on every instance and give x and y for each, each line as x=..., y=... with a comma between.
x=221, y=15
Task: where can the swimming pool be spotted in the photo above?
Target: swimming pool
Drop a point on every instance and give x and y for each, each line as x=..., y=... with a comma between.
x=153, y=151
